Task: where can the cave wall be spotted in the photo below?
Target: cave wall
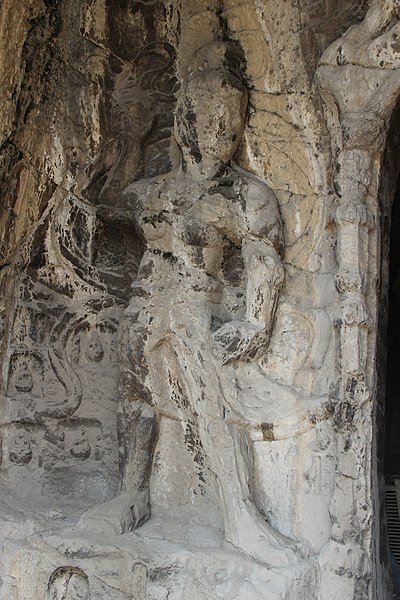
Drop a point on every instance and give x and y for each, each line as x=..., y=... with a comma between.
x=94, y=185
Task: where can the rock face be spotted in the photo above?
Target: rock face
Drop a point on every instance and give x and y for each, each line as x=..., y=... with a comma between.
x=195, y=213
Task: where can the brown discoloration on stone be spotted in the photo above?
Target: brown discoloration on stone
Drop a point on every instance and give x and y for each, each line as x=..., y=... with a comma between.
x=267, y=431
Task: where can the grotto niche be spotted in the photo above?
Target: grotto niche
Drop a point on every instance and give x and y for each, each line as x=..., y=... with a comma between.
x=392, y=447
x=189, y=228
x=387, y=415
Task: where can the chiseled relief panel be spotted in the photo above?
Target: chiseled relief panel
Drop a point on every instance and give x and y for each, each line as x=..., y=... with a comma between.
x=59, y=425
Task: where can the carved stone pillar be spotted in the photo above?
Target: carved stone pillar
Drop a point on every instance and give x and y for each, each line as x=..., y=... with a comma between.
x=354, y=222
x=360, y=91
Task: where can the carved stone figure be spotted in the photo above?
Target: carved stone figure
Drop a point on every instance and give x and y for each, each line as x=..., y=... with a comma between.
x=81, y=448
x=23, y=378
x=94, y=351
x=68, y=584
x=20, y=451
x=214, y=239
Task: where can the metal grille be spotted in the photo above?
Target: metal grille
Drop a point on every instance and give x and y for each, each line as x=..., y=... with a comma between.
x=393, y=520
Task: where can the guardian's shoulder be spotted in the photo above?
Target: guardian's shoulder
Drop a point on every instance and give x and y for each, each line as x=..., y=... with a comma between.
x=261, y=209
x=145, y=186
x=256, y=188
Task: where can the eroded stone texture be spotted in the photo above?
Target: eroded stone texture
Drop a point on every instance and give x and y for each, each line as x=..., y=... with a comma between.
x=190, y=255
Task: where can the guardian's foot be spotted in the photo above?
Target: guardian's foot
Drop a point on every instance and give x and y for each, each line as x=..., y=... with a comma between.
x=119, y=515
x=256, y=538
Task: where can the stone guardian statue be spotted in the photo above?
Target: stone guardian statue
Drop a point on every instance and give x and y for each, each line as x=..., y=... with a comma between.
x=204, y=300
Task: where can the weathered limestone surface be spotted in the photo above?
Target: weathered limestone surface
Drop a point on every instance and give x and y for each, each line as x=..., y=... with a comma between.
x=192, y=199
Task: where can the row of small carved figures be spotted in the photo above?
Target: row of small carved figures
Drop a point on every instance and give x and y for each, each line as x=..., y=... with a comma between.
x=20, y=450
x=23, y=378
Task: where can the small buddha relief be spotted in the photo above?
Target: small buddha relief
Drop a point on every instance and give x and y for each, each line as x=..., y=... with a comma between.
x=94, y=351
x=25, y=375
x=20, y=450
x=81, y=448
x=23, y=378
x=68, y=583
